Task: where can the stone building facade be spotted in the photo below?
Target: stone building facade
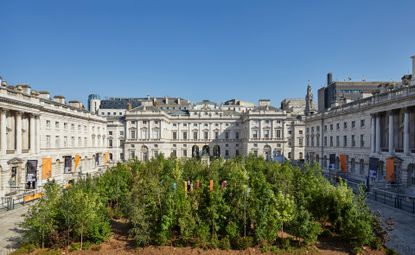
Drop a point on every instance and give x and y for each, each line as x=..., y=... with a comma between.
x=174, y=126
x=43, y=139
x=370, y=139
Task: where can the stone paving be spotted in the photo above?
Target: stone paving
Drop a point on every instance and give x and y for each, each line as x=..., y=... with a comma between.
x=9, y=232
x=400, y=225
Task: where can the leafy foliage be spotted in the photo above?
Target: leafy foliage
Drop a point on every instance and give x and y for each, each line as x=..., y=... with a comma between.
x=235, y=203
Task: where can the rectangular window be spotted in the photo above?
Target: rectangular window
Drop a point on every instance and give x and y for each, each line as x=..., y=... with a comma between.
x=184, y=135
x=236, y=135
x=345, y=125
x=353, y=141
x=184, y=153
x=110, y=143
x=254, y=134
x=174, y=135
x=227, y=135
x=278, y=133
x=205, y=135
x=216, y=134
x=266, y=134
x=353, y=124
x=57, y=142
x=331, y=141
x=325, y=141
x=338, y=141
x=362, y=123
x=195, y=135
x=345, y=141
x=362, y=141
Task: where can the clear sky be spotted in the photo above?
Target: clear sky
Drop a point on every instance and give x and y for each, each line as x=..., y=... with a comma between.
x=202, y=49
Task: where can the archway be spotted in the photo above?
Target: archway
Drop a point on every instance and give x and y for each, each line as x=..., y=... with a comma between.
x=267, y=152
x=205, y=150
x=195, y=151
x=216, y=151
x=144, y=152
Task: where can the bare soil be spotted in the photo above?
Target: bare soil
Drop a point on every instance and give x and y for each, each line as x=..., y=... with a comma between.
x=121, y=244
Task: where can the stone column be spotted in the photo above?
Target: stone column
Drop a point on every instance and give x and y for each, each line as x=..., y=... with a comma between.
x=18, y=132
x=406, y=132
x=377, y=130
x=373, y=134
x=390, y=136
x=38, y=134
x=32, y=134
x=3, y=138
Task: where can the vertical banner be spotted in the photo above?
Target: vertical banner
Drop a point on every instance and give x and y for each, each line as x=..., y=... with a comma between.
x=77, y=159
x=31, y=174
x=68, y=164
x=211, y=185
x=343, y=163
x=332, y=161
x=46, y=168
x=373, y=167
x=106, y=158
x=390, y=170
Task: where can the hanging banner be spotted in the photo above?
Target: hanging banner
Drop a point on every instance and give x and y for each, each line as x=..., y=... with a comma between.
x=373, y=167
x=77, y=159
x=31, y=174
x=390, y=170
x=68, y=164
x=211, y=185
x=332, y=161
x=343, y=163
x=46, y=168
x=106, y=158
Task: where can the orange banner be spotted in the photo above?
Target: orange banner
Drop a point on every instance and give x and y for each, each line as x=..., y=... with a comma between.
x=343, y=163
x=77, y=159
x=211, y=185
x=390, y=170
x=106, y=157
x=46, y=168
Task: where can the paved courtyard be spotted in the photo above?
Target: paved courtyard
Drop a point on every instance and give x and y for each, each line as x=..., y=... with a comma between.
x=400, y=225
x=9, y=232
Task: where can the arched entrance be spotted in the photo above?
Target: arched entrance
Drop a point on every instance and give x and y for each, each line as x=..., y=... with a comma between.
x=205, y=150
x=195, y=151
x=267, y=152
x=216, y=151
x=144, y=153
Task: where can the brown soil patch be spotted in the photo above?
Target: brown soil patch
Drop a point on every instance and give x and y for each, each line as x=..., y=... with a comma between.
x=121, y=244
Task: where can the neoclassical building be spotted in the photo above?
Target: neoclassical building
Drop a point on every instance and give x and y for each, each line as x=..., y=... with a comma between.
x=43, y=139
x=174, y=126
x=372, y=137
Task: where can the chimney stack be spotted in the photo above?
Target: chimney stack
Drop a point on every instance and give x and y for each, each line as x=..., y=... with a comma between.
x=44, y=94
x=329, y=78
x=59, y=99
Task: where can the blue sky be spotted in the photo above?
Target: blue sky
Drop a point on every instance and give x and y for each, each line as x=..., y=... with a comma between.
x=202, y=49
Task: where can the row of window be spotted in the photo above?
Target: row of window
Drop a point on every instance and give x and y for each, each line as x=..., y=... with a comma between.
x=353, y=142
x=331, y=126
x=72, y=143
x=66, y=126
